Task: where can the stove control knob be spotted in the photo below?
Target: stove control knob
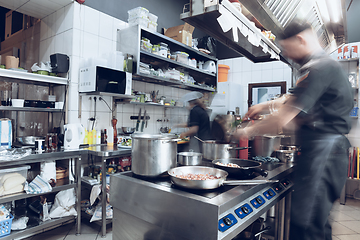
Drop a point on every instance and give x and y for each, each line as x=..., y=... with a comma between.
x=258, y=200
x=271, y=193
x=227, y=221
x=245, y=210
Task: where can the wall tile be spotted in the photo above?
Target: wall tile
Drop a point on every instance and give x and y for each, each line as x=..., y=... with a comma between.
x=256, y=76
x=73, y=97
x=106, y=23
x=68, y=41
x=237, y=64
x=267, y=75
x=68, y=17
x=90, y=45
x=44, y=28
x=247, y=65
x=59, y=44
x=77, y=38
x=79, y=16
x=52, y=25
x=105, y=46
x=92, y=19
x=72, y=117
x=60, y=21
x=74, y=69
x=278, y=74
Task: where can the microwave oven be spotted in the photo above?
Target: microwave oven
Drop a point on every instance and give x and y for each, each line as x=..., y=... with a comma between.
x=102, y=79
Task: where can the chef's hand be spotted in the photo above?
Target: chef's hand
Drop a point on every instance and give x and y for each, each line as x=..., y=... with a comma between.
x=254, y=111
x=240, y=134
x=182, y=135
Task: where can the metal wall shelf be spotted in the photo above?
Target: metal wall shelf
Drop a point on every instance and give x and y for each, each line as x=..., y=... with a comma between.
x=29, y=109
x=25, y=77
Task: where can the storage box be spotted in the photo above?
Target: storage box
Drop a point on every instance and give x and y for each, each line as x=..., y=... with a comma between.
x=12, y=179
x=142, y=21
x=5, y=226
x=138, y=12
x=181, y=33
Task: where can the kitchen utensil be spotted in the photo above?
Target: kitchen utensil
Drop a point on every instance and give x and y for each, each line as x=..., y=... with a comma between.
x=199, y=139
x=51, y=142
x=189, y=158
x=285, y=155
x=246, y=170
x=74, y=135
x=39, y=145
x=245, y=235
x=28, y=140
x=213, y=150
x=265, y=145
x=223, y=127
x=153, y=154
x=17, y=102
x=128, y=130
x=138, y=120
x=143, y=122
x=221, y=175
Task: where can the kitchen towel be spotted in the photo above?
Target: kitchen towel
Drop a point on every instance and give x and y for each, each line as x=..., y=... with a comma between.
x=38, y=185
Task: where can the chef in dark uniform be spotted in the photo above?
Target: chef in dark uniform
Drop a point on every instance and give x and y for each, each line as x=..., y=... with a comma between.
x=198, y=123
x=319, y=107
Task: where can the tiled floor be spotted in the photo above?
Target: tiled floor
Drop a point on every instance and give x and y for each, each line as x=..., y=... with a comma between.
x=345, y=221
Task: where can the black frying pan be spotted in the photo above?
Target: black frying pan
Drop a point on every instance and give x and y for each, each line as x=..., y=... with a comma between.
x=248, y=168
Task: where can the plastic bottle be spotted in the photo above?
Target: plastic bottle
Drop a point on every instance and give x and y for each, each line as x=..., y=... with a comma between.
x=98, y=136
x=90, y=137
x=86, y=136
x=93, y=136
x=110, y=136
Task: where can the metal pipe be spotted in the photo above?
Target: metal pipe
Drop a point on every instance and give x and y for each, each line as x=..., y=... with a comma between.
x=279, y=219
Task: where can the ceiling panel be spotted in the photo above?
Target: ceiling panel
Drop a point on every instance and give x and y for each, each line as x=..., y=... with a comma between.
x=35, y=8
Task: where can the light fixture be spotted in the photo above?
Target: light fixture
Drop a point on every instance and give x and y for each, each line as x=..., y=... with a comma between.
x=334, y=7
x=322, y=6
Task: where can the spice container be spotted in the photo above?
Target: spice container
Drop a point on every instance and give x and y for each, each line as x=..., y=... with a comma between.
x=163, y=49
x=146, y=45
x=182, y=57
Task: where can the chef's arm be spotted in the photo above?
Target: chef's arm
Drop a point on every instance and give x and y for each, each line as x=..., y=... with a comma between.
x=190, y=132
x=180, y=125
x=265, y=107
x=270, y=125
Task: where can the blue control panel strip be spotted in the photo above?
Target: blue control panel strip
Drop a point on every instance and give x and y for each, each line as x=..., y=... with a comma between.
x=258, y=201
x=243, y=211
x=269, y=194
x=226, y=222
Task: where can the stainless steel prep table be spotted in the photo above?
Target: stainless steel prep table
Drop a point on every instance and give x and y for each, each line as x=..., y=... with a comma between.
x=101, y=153
x=156, y=209
x=44, y=157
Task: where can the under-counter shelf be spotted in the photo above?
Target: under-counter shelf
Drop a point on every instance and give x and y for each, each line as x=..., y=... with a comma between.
x=17, y=196
x=29, y=109
x=114, y=95
x=26, y=77
x=43, y=225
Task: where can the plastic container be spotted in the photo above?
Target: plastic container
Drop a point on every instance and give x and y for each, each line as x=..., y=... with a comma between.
x=146, y=46
x=182, y=57
x=192, y=62
x=138, y=12
x=6, y=173
x=5, y=226
x=152, y=26
x=17, y=102
x=223, y=71
x=142, y=21
x=152, y=17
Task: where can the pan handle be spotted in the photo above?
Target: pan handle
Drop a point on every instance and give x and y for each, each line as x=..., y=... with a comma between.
x=260, y=171
x=249, y=182
x=237, y=148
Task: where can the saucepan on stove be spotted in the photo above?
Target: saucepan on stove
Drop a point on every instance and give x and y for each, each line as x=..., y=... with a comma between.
x=199, y=177
x=241, y=168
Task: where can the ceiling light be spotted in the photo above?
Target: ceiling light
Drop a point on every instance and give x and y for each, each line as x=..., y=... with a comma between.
x=334, y=7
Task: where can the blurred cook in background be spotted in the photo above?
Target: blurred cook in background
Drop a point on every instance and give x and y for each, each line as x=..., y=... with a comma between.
x=198, y=122
x=319, y=105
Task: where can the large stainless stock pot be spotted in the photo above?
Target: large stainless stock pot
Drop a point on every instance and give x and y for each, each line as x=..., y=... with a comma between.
x=153, y=154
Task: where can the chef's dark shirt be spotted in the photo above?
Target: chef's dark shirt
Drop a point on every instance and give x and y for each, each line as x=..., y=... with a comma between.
x=199, y=117
x=325, y=98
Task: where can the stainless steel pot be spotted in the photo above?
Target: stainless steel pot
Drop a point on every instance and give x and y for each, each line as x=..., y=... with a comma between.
x=265, y=145
x=213, y=150
x=153, y=154
x=285, y=155
x=189, y=158
x=28, y=140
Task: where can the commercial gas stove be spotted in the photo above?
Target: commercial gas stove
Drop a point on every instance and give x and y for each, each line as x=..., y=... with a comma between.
x=154, y=208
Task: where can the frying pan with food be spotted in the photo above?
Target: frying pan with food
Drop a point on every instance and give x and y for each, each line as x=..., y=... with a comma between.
x=180, y=176
x=240, y=168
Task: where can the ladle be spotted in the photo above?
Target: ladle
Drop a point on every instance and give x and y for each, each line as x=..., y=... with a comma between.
x=199, y=139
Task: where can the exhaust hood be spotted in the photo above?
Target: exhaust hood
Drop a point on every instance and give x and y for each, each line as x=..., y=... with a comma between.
x=229, y=26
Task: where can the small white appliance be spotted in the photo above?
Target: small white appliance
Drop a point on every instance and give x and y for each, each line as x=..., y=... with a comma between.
x=209, y=66
x=74, y=135
x=102, y=79
x=5, y=132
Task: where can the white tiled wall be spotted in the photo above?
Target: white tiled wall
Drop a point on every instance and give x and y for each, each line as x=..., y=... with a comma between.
x=244, y=71
x=82, y=33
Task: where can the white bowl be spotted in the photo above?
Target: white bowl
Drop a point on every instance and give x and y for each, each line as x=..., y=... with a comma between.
x=17, y=102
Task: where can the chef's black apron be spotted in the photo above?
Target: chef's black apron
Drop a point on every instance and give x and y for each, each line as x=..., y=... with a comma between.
x=325, y=98
x=320, y=174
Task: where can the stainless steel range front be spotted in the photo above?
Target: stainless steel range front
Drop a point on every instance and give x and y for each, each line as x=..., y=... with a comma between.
x=154, y=208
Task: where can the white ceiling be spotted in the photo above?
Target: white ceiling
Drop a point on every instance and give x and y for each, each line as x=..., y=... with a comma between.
x=35, y=8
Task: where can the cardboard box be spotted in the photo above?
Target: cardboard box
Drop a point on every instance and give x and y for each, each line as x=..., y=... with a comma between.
x=181, y=33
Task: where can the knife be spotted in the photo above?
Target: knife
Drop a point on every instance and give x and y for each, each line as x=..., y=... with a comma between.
x=143, y=122
x=146, y=120
x=138, y=120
